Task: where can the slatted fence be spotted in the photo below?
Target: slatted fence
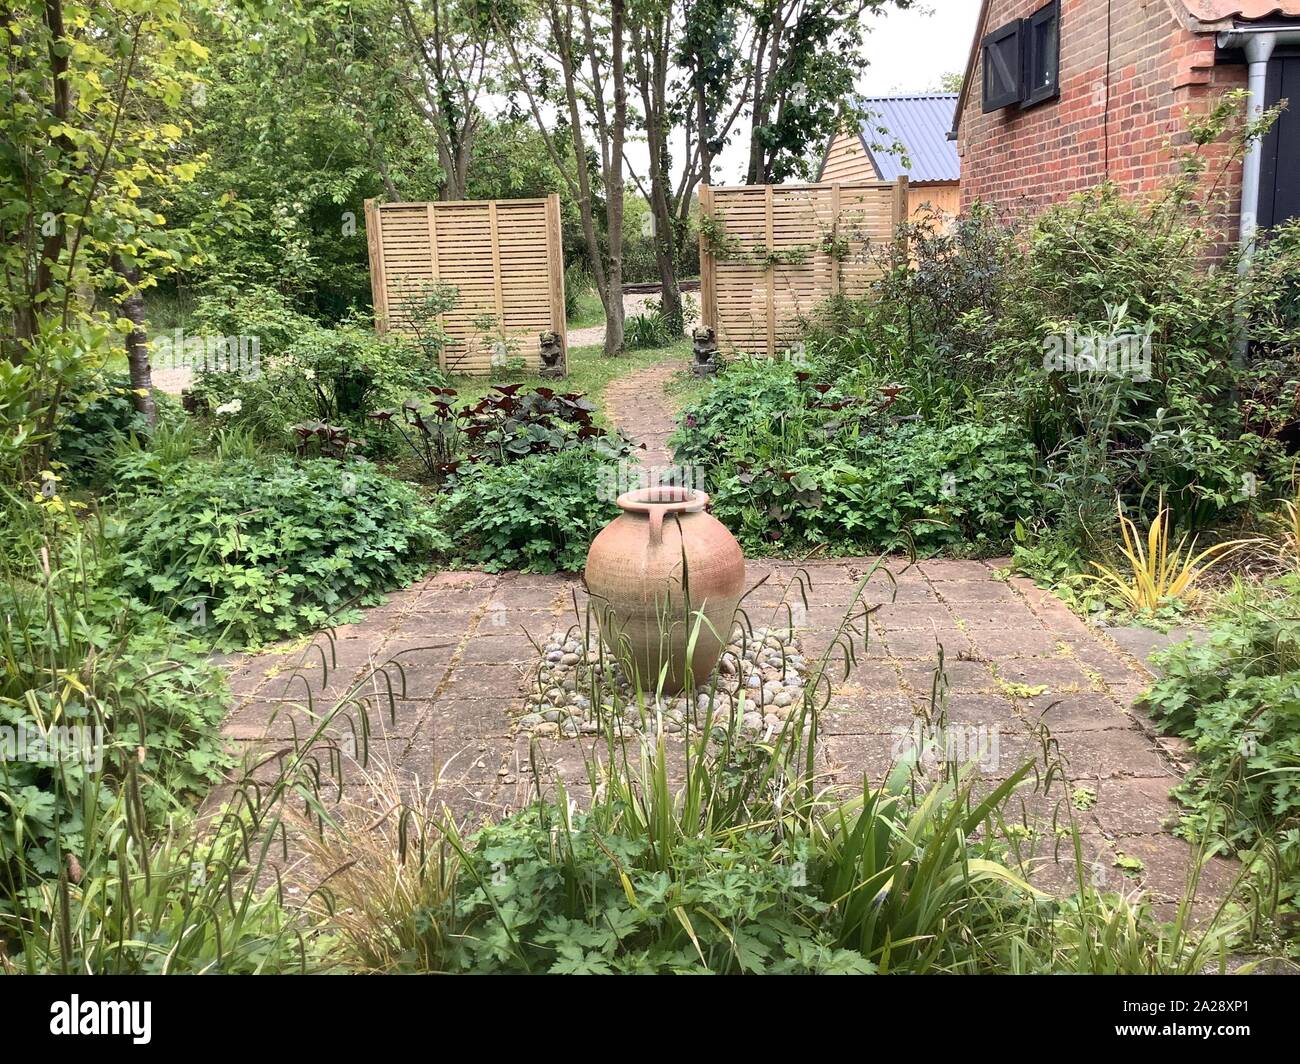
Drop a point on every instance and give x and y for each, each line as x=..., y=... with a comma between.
x=770, y=254
x=503, y=258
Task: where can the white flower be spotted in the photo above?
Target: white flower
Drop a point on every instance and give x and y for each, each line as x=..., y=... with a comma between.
x=232, y=407
x=309, y=373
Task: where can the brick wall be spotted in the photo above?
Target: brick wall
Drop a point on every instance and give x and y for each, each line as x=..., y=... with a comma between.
x=1023, y=160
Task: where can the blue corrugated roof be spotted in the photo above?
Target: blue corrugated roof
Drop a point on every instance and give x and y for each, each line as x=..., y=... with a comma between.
x=920, y=124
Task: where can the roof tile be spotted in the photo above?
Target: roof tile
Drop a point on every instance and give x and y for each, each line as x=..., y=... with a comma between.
x=1217, y=10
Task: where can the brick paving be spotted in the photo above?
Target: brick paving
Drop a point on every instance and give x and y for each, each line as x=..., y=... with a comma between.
x=637, y=404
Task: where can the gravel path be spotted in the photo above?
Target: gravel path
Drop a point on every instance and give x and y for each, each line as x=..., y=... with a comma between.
x=594, y=335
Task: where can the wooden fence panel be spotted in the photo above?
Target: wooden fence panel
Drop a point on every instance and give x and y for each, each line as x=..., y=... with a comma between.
x=504, y=259
x=769, y=254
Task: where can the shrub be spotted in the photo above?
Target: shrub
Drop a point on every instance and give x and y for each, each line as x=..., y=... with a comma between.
x=795, y=462
x=577, y=283
x=254, y=310
x=1236, y=698
x=75, y=652
x=101, y=421
x=324, y=375
x=963, y=487
x=258, y=552
x=969, y=326
x=745, y=401
x=89, y=432
x=537, y=514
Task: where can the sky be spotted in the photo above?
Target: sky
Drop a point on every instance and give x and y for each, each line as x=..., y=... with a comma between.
x=910, y=51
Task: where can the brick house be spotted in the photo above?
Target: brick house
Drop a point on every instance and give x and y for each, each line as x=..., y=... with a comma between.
x=1062, y=95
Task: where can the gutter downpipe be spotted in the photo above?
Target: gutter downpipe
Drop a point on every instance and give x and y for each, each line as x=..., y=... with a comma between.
x=1259, y=45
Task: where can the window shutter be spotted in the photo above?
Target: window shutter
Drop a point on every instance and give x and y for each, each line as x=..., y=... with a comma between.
x=1042, y=51
x=1002, y=66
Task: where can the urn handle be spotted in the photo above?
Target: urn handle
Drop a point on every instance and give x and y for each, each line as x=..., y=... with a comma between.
x=656, y=516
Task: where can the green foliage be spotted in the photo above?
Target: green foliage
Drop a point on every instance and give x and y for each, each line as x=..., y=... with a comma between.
x=255, y=552
x=645, y=330
x=90, y=431
x=305, y=372
x=76, y=652
x=1026, y=321
x=1236, y=698
x=100, y=420
x=300, y=116
x=746, y=400
x=597, y=899
x=251, y=310
x=537, y=514
x=503, y=426
x=963, y=488
x=1270, y=403
x=796, y=463
x=93, y=151
x=175, y=902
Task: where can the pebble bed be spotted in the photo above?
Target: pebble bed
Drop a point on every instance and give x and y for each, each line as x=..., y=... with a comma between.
x=760, y=679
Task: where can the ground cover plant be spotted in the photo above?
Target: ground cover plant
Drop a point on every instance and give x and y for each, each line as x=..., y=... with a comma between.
x=796, y=463
x=538, y=513
x=1235, y=696
x=251, y=551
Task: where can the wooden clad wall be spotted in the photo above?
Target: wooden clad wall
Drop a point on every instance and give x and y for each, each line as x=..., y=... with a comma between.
x=783, y=249
x=847, y=160
x=945, y=198
x=503, y=257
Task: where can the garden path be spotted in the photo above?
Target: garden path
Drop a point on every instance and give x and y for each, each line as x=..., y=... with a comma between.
x=637, y=404
x=1014, y=656
x=594, y=335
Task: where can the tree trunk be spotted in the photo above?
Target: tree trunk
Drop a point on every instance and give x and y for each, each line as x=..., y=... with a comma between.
x=650, y=63
x=614, y=185
x=137, y=345
x=670, y=293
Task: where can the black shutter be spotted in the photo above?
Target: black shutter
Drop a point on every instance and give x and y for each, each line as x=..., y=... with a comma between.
x=1042, y=51
x=1002, y=63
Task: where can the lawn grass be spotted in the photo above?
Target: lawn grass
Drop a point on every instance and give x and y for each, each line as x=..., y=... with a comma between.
x=588, y=310
x=590, y=372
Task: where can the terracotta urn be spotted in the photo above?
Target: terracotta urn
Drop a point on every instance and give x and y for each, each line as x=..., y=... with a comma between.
x=652, y=571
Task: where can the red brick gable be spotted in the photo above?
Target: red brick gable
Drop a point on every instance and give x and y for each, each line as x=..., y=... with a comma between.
x=1128, y=72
